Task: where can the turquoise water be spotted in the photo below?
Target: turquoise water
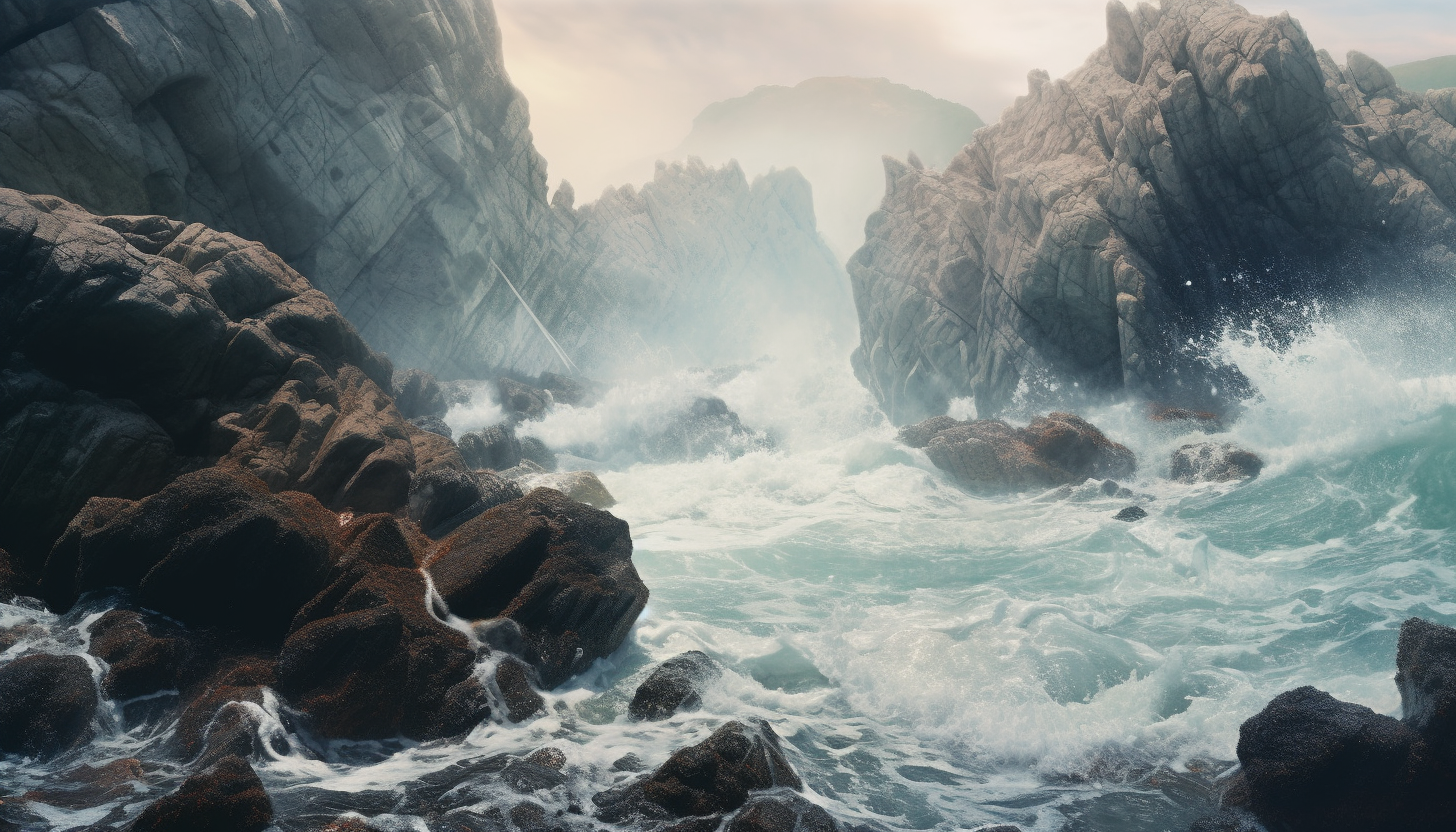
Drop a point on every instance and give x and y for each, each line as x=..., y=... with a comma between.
x=936, y=660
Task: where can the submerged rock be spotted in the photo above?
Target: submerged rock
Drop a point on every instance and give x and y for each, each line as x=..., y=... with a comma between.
x=560, y=569
x=46, y=704
x=990, y=455
x=1132, y=514
x=1213, y=462
x=522, y=402
x=228, y=797
x=676, y=685
x=706, y=428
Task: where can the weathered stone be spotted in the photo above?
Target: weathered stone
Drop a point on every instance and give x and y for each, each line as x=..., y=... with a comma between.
x=1213, y=462
x=513, y=679
x=1426, y=675
x=367, y=659
x=781, y=813
x=228, y=797
x=214, y=548
x=1141, y=201
x=418, y=394
x=582, y=486
x=918, y=436
x=560, y=569
x=713, y=777
x=536, y=451
x=46, y=704
x=521, y=401
x=143, y=654
x=992, y=456
x=676, y=685
x=495, y=448
x=706, y=428
x=1131, y=514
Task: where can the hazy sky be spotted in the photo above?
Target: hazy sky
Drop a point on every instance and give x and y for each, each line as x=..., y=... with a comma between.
x=613, y=81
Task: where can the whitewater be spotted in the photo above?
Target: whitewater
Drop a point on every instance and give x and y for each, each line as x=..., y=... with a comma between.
x=938, y=660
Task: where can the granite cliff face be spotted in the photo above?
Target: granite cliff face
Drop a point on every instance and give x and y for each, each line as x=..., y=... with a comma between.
x=706, y=265
x=377, y=146
x=1206, y=161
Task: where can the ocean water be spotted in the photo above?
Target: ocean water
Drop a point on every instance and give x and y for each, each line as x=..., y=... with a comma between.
x=937, y=660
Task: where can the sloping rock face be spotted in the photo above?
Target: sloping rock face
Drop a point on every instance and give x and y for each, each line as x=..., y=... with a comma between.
x=706, y=264
x=136, y=348
x=1203, y=163
x=377, y=146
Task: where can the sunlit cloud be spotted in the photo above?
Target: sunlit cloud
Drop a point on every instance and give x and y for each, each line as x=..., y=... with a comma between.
x=613, y=82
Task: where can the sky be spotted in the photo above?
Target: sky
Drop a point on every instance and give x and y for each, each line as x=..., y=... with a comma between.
x=614, y=82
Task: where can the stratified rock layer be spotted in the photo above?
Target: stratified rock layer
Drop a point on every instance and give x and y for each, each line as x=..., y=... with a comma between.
x=379, y=147
x=1201, y=164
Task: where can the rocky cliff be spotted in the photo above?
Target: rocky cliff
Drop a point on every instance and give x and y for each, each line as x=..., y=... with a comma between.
x=1205, y=162
x=378, y=146
x=707, y=266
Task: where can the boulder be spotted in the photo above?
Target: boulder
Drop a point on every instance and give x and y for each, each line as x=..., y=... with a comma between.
x=367, y=659
x=567, y=390
x=1312, y=762
x=781, y=813
x=441, y=500
x=47, y=704
x=992, y=456
x=582, y=486
x=676, y=685
x=380, y=540
x=1426, y=676
x=560, y=569
x=513, y=679
x=1131, y=514
x=521, y=401
x=418, y=394
x=495, y=448
x=88, y=786
x=204, y=729
x=919, y=436
x=433, y=424
x=1213, y=462
x=143, y=653
x=227, y=797
x=714, y=777
x=212, y=549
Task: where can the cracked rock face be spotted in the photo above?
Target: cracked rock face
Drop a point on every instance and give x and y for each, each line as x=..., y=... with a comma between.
x=1203, y=163
x=380, y=149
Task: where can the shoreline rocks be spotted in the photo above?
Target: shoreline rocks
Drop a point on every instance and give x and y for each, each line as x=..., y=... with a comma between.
x=992, y=456
x=1213, y=462
x=1313, y=763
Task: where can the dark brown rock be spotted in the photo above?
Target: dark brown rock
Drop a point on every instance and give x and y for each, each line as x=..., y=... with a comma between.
x=231, y=679
x=228, y=797
x=676, y=685
x=495, y=448
x=513, y=678
x=1213, y=462
x=781, y=813
x=46, y=704
x=214, y=548
x=918, y=436
x=713, y=777
x=442, y=500
x=992, y=456
x=560, y=569
x=366, y=659
x=146, y=348
x=143, y=654
x=88, y=786
x=13, y=580
x=1131, y=514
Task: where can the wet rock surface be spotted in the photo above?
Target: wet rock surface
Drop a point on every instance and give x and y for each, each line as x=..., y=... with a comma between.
x=706, y=428
x=46, y=704
x=712, y=778
x=561, y=570
x=992, y=456
x=1113, y=214
x=1213, y=462
x=227, y=797
x=675, y=685
x=1311, y=762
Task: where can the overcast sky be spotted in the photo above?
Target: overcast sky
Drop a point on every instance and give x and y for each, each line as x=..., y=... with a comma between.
x=613, y=81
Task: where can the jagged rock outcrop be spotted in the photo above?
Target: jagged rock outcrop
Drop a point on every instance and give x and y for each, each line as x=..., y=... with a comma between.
x=379, y=147
x=1203, y=163
x=137, y=348
x=705, y=263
